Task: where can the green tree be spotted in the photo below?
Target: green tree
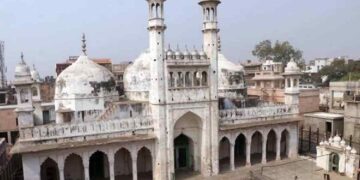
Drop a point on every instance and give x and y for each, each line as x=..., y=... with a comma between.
x=279, y=52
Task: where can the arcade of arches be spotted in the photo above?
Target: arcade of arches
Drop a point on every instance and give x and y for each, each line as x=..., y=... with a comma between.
x=99, y=166
x=253, y=148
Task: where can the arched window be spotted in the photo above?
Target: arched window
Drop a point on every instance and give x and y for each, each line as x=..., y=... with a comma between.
x=187, y=80
x=204, y=80
x=288, y=82
x=207, y=14
x=171, y=80
x=180, y=80
x=153, y=11
x=295, y=83
x=34, y=91
x=157, y=10
x=196, y=78
x=212, y=14
x=24, y=96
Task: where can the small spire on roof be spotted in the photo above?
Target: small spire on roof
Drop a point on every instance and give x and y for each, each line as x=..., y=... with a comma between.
x=83, y=43
x=219, y=43
x=177, y=47
x=169, y=48
x=22, y=57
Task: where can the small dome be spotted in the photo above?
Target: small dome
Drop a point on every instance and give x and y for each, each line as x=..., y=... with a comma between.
x=169, y=53
x=348, y=148
x=343, y=143
x=353, y=151
x=321, y=143
x=202, y=55
x=186, y=54
x=195, y=54
x=22, y=71
x=179, y=54
x=292, y=67
x=35, y=75
x=337, y=139
x=331, y=140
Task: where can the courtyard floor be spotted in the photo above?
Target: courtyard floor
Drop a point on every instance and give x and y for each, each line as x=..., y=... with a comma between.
x=277, y=170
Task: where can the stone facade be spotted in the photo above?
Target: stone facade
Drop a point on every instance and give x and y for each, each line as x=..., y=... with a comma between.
x=168, y=121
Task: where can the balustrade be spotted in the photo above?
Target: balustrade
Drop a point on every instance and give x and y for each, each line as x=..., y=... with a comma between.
x=72, y=130
x=232, y=115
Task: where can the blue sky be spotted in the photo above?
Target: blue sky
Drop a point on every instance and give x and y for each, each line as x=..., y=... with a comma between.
x=49, y=31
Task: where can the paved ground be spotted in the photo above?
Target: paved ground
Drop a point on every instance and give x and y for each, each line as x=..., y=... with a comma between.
x=281, y=170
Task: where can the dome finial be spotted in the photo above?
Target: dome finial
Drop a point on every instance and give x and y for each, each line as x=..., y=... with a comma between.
x=34, y=67
x=22, y=57
x=83, y=43
x=177, y=47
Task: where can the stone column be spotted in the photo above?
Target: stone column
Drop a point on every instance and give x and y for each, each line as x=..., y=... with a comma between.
x=61, y=164
x=134, y=166
x=248, y=152
x=9, y=137
x=111, y=168
x=232, y=156
x=86, y=167
x=263, y=161
x=278, y=147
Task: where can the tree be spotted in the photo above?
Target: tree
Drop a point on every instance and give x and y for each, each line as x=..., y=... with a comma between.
x=279, y=52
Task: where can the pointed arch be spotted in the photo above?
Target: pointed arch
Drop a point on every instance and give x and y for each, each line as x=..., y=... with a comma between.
x=99, y=166
x=240, y=150
x=256, y=147
x=73, y=167
x=123, y=164
x=49, y=170
x=271, y=146
x=224, y=154
x=144, y=163
x=284, y=144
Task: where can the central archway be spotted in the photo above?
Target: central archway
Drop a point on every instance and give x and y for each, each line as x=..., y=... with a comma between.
x=49, y=170
x=187, y=143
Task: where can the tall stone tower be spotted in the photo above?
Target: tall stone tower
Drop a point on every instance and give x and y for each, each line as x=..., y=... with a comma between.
x=23, y=83
x=210, y=43
x=156, y=29
x=157, y=94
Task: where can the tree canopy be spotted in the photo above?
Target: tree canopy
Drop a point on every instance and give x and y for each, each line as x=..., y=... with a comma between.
x=279, y=52
x=339, y=70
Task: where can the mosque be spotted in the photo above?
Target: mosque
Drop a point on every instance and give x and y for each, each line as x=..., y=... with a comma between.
x=182, y=112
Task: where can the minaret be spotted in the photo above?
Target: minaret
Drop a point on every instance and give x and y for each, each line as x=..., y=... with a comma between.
x=210, y=36
x=157, y=93
x=23, y=83
x=210, y=44
x=156, y=29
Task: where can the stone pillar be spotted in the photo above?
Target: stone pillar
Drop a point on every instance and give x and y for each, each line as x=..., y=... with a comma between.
x=61, y=164
x=232, y=156
x=9, y=137
x=111, y=168
x=248, y=152
x=86, y=167
x=263, y=161
x=134, y=166
x=278, y=148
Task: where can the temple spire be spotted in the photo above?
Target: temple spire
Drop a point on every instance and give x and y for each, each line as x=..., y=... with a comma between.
x=83, y=44
x=22, y=57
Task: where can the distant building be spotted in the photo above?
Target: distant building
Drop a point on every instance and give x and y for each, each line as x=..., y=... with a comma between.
x=106, y=62
x=250, y=69
x=118, y=70
x=270, y=84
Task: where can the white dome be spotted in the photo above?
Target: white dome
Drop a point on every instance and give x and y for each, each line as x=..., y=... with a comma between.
x=353, y=151
x=84, y=78
x=229, y=73
x=35, y=75
x=292, y=67
x=137, y=78
x=22, y=72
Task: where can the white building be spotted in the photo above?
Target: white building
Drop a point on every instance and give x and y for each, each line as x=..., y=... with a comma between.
x=169, y=122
